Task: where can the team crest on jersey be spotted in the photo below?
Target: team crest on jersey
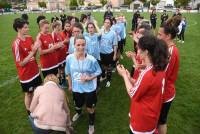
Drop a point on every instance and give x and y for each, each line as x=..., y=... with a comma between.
x=45, y=41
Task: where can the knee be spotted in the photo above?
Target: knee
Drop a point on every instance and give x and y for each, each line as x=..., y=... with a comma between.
x=90, y=110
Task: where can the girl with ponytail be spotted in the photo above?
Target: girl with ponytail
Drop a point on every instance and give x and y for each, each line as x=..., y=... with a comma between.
x=167, y=33
x=146, y=91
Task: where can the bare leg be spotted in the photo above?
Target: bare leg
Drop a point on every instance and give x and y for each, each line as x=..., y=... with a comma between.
x=27, y=100
x=162, y=129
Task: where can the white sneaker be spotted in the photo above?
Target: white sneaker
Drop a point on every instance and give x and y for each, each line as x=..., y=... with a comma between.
x=113, y=70
x=108, y=84
x=91, y=129
x=179, y=41
x=182, y=41
x=76, y=117
x=102, y=79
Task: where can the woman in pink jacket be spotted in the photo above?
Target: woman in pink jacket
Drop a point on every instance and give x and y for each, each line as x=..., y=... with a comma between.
x=49, y=109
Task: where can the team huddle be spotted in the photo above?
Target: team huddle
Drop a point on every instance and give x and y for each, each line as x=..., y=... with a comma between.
x=76, y=54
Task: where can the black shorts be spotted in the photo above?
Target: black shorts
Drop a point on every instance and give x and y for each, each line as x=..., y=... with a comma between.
x=153, y=25
x=164, y=113
x=107, y=59
x=30, y=86
x=123, y=41
x=61, y=66
x=89, y=99
x=120, y=47
x=51, y=71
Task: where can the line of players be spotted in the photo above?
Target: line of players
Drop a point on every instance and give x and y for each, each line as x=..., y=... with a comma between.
x=70, y=49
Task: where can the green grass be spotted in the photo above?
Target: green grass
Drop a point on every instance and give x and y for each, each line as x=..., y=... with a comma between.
x=113, y=103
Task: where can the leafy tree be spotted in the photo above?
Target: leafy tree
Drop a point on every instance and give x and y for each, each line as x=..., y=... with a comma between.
x=5, y=4
x=73, y=3
x=183, y=3
x=128, y=2
x=42, y=4
x=103, y=2
x=81, y=2
x=155, y=2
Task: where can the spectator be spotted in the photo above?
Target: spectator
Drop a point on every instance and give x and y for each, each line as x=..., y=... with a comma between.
x=49, y=108
x=164, y=17
x=108, y=13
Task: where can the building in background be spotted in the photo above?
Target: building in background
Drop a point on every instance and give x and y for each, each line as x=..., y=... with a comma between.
x=136, y=4
x=194, y=4
x=51, y=4
x=114, y=3
x=165, y=3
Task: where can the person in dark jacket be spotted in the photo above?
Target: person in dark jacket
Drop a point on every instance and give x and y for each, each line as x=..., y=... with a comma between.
x=108, y=13
x=153, y=19
x=134, y=20
x=164, y=17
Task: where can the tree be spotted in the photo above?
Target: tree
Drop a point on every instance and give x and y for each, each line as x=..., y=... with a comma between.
x=103, y=2
x=81, y=2
x=183, y=3
x=42, y=4
x=73, y=3
x=144, y=1
x=127, y=2
x=5, y=4
x=155, y=2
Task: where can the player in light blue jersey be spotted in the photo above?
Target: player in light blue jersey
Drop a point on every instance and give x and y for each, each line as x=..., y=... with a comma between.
x=120, y=34
x=76, y=30
x=82, y=70
x=108, y=49
x=93, y=45
x=121, y=21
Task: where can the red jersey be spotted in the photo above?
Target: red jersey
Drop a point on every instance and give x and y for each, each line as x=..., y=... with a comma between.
x=66, y=35
x=61, y=52
x=171, y=74
x=50, y=60
x=21, y=49
x=146, y=101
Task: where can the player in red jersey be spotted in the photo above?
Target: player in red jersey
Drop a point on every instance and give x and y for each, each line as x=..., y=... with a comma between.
x=66, y=34
x=168, y=32
x=24, y=50
x=61, y=52
x=142, y=30
x=47, y=50
x=146, y=92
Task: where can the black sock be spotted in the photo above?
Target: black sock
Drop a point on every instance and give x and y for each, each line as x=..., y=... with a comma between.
x=91, y=118
x=78, y=110
x=28, y=112
x=103, y=74
x=109, y=74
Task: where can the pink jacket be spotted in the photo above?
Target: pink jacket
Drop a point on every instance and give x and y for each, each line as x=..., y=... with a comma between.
x=49, y=107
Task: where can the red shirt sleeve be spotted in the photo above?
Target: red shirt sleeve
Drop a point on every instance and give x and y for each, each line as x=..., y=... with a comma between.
x=16, y=50
x=141, y=84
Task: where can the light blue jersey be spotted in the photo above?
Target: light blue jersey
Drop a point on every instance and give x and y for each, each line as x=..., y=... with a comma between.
x=118, y=30
x=71, y=44
x=93, y=45
x=108, y=41
x=123, y=28
x=75, y=68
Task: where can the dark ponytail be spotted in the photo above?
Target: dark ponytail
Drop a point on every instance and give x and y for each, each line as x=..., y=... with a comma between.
x=157, y=50
x=171, y=26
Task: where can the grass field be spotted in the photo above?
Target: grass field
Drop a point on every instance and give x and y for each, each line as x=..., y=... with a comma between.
x=113, y=103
